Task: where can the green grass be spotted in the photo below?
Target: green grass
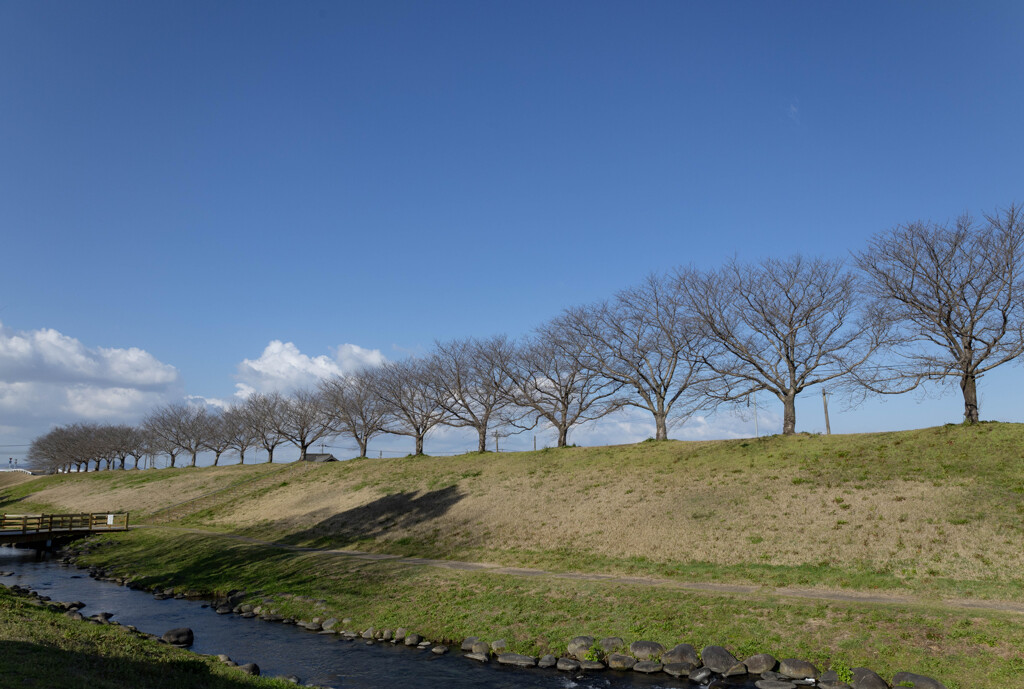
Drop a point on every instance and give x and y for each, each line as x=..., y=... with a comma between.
x=965, y=649
x=43, y=649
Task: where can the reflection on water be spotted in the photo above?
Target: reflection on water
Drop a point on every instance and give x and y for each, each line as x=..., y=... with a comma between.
x=279, y=649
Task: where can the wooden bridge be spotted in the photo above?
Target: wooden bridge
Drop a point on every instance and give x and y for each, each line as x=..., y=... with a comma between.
x=42, y=530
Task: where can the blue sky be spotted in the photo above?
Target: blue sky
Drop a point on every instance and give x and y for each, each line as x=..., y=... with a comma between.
x=183, y=184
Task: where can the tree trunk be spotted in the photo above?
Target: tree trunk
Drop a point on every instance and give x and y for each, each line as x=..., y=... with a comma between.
x=789, y=414
x=173, y=457
x=419, y=444
x=969, y=385
x=482, y=439
x=563, y=436
x=302, y=452
x=193, y=458
x=270, y=455
x=662, y=426
x=241, y=456
x=362, y=446
x=216, y=458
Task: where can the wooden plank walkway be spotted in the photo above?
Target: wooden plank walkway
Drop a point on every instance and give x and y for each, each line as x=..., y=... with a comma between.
x=39, y=528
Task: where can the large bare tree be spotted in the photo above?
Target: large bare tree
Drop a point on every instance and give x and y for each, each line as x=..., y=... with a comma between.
x=956, y=294
x=470, y=384
x=549, y=380
x=646, y=341
x=412, y=407
x=356, y=409
x=782, y=325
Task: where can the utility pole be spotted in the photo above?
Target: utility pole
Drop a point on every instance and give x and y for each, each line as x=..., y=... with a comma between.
x=534, y=443
x=824, y=403
x=757, y=433
x=496, y=442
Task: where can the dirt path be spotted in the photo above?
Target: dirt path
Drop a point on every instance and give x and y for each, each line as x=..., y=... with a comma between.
x=739, y=589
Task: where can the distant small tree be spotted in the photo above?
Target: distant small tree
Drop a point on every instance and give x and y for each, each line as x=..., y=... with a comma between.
x=303, y=418
x=261, y=414
x=167, y=432
x=549, y=382
x=412, y=407
x=217, y=436
x=469, y=383
x=239, y=433
x=357, y=411
x=648, y=343
x=955, y=293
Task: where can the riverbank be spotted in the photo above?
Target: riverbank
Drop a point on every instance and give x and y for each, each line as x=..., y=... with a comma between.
x=929, y=520
x=964, y=649
x=42, y=648
x=936, y=512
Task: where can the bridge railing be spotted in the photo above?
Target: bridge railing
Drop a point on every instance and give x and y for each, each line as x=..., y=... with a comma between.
x=47, y=523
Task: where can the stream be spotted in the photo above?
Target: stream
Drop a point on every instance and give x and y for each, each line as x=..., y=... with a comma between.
x=318, y=659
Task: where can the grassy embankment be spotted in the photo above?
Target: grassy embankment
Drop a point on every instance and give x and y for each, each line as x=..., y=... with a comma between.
x=936, y=514
x=43, y=649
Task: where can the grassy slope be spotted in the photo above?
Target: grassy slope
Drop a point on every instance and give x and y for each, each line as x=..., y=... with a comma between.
x=937, y=512
x=535, y=615
x=43, y=649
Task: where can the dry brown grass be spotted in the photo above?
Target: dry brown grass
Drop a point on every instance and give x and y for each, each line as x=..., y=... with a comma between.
x=908, y=505
x=13, y=478
x=141, y=492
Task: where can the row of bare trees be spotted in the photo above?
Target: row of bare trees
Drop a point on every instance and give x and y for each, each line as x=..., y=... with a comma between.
x=922, y=303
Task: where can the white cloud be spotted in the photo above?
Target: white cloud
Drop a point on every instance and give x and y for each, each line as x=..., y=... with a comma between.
x=48, y=356
x=282, y=367
x=104, y=404
x=353, y=357
x=215, y=402
x=48, y=378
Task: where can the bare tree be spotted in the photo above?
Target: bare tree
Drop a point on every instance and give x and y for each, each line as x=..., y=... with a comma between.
x=261, y=413
x=169, y=433
x=238, y=432
x=549, y=380
x=783, y=326
x=187, y=425
x=648, y=343
x=75, y=445
x=303, y=419
x=956, y=294
x=125, y=441
x=217, y=436
x=412, y=408
x=469, y=382
x=50, y=452
x=356, y=409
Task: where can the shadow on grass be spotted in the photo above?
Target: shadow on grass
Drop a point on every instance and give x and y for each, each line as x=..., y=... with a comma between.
x=378, y=518
x=39, y=666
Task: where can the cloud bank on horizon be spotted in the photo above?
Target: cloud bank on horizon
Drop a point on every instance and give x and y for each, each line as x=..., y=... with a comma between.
x=47, y=378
